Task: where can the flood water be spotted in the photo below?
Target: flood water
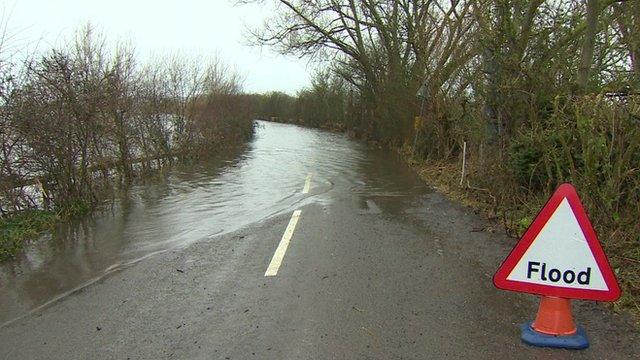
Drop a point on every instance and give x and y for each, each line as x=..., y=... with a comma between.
x=198, y=202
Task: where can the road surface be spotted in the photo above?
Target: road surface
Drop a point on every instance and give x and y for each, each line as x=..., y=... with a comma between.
x=359, y=260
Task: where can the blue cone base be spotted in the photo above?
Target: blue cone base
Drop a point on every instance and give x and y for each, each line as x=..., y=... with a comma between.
x=576, y=341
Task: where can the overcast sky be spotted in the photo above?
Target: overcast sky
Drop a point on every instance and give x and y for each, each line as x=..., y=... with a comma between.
x=199, y=28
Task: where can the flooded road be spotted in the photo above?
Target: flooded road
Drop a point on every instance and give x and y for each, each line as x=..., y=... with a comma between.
x=303, y=245
x=192, y=203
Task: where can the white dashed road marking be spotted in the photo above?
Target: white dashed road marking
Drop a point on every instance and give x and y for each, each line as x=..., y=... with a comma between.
x=276, y=261
x=278, y=256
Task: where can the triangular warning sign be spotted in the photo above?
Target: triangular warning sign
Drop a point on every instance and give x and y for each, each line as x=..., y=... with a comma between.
x=560, y=255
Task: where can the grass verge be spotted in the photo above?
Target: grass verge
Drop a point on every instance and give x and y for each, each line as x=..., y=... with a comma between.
x=517, y=211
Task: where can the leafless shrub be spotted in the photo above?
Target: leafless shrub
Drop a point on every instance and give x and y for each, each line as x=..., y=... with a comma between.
x=86, y=113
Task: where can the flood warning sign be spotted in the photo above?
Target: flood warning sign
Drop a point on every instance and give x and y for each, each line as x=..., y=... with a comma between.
x=560, y=255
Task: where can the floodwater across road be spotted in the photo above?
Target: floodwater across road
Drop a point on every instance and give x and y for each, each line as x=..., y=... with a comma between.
x=192, y=203
x=303, y=245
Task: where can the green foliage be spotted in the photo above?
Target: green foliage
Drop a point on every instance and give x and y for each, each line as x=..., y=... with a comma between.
x=15, y=230
x=524, y=223
x=594, y=143
x=74, y=207
x=526, y=159
x=18, y=228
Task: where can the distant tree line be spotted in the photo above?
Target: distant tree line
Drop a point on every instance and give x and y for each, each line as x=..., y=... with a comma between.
x=541, y=92
x=79, y=117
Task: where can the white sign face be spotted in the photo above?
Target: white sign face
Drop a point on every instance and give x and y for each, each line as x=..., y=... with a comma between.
x=560, y=256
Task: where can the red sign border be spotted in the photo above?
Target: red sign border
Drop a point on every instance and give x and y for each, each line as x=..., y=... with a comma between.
x=567, y=191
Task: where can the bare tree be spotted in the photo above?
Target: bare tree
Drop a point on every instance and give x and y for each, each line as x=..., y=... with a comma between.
x=386, y=49
x=86, y=112
x=628, y=24
x=121, y=92
x=593, y=9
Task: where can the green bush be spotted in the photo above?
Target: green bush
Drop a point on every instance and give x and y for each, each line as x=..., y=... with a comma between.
x=526, y=164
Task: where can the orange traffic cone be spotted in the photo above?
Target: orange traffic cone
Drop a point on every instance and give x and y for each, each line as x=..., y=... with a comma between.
x=554, y=326
x=554, y=317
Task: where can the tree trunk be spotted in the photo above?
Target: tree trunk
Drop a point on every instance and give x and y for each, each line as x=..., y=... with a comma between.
x=634, y=40
x=586, y=57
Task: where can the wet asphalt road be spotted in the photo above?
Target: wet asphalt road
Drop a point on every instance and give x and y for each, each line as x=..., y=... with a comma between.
x=379, y=267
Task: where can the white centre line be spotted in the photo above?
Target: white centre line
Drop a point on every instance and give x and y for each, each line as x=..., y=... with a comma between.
x=276, y=261
x=307, y=184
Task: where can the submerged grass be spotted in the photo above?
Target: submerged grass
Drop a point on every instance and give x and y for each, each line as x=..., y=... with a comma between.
x=18, y=228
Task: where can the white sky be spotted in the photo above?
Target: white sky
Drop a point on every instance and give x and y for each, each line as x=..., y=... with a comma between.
x=190, y=27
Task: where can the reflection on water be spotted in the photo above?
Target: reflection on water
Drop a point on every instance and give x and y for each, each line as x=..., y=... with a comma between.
x=198, y=201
